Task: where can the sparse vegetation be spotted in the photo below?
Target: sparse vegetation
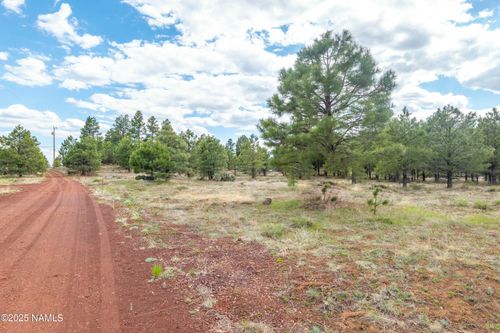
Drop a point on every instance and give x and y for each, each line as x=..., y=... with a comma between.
x=479, y=204
x=421, y=235
x=157, y=271
x=376, y=201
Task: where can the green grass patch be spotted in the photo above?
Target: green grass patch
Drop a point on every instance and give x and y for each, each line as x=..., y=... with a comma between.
x=285, y=204
x=156, y=271
x=493, y=327
x=461, y=202
x=482, y=219
x=479, y=204
x=304, y=223
x=273, y=230
x=413, y=215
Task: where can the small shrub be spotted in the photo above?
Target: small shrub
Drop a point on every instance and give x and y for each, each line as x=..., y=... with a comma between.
x=273, y=230
x=480, y=205
x=145, y=177
x=497, y=203
x=156, y=271
x=416, y=187
x=303, y=223
x=313, y=294
x=315, y=329
x=375, y=202
x=461, y=202
x=285, y=205
x=170, y=272
x=324, y=189
x=224, y=177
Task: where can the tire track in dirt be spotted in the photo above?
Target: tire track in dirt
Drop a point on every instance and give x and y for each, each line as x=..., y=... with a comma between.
x=55, y=258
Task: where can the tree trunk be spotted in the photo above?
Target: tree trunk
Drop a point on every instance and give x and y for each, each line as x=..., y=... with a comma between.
x=423, y=176
x=466, y=176
x=353, y=178
x=449, y=181
x=405, y=179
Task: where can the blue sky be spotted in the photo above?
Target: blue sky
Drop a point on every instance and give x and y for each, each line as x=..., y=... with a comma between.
x=210, y=66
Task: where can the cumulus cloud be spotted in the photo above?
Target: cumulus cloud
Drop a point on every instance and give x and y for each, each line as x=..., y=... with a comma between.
x=38, y=122
x=4, y=56
x=30, y=71
x=14, y=5
x=63, y=28
x=220, y=70
x=210, y=105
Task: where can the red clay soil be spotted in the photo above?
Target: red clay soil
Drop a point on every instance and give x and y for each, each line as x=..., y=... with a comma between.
x=66, y=267
x=56, y=270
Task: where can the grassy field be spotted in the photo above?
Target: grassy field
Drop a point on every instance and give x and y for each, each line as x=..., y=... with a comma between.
x=9, y=184
x=321, y=262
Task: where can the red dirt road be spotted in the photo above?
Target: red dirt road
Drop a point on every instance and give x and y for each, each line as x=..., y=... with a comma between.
x=55, y=260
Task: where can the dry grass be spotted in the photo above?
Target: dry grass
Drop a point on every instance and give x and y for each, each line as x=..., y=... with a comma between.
x=9, y=184
x=25, y=180
x=429, y=248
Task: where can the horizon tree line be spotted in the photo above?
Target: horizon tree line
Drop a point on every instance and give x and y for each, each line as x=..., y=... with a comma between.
x=339, y=122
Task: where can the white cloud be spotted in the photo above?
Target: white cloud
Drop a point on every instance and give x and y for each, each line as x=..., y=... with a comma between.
x=228, y=100
x=4, y=56
x=14, y=5
x=63, y=28
x=434, y=34
x=30, y=71
x=219, y=70
x=485, y=13
x=38, y=122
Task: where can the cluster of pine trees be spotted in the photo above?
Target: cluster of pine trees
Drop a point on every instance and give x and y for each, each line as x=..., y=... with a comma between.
x=332, y=113
x=20, y=153
x=145, y=146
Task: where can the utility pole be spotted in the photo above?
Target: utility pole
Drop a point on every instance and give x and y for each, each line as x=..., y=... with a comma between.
x=54, y=146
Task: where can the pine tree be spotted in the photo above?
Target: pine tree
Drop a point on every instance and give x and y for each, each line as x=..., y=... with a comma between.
x=137, y=129
x=90, y=129
x=177, y=147
x=456, y=143
x=490, y=126
x=20, y=153
x=66, y=146
x=332, y=92
x=252, y=158
x=123, y=152
x=83, y=157
x=210, y=156
x=153, y=158
x=120, y=129
x=231, y=156
x=152, y=127
x=403, y=147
